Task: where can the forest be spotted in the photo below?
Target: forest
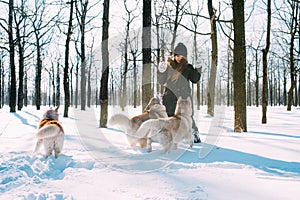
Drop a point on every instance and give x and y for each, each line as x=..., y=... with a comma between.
x=80, y=53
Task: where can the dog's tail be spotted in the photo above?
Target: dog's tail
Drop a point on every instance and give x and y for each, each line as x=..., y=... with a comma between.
x=120, y=121
x=48, y=132
x=144, y=129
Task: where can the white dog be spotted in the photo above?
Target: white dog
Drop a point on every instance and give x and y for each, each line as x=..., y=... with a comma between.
x=50, y=133
x=169, y=131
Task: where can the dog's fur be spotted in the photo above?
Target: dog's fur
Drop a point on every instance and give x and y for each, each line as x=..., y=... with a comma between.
x=50, y=133
x=169, y=131
x=153, y=110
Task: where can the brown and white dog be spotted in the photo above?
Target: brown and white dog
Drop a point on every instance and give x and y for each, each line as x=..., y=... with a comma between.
x=50, y=133
x=169, y=131
x=153, y=110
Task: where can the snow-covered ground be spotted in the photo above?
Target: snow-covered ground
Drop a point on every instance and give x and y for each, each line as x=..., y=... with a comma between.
x=263, y=163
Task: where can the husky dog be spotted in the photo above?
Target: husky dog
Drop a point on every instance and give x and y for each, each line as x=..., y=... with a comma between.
x=153, y=110
x=169, y=131
x=51, y=133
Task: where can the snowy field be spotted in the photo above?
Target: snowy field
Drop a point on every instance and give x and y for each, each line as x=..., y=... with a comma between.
x=262, y=164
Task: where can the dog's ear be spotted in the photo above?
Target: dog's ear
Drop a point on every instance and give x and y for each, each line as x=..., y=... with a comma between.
x=189, y=100
x=179, y=99
x=148, y=106
x=152, y=102
x=56, y=109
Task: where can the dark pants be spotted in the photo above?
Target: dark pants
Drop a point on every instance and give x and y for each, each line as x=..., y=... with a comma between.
x=170, y=101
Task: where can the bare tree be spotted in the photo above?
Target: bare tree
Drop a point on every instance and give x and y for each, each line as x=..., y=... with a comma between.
x=43, y=32
x=71, y=85
x=66, y=68
x=288, y=15
x=1, y=78
x=128, y=20
x=13, y=89
x=176, y=23
x=105, y=65
x=89, y=87
x=25, y=87
x=293, y=27
x=195, y=23
x=256, y=49
x=82, y=9
x=229, y=68
x=147, y=92
x=81, y=14
x=159, y=9
x=76, y=81
x=214, y=61
x=53, y=84
x=265, y=67
x=239, y=67
x=20, y=19
x=57, y=98
x=134, y=53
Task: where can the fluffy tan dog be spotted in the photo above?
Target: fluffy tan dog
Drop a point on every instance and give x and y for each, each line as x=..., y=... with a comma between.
x=50, y=133
x=169, y=131
x=153, y=110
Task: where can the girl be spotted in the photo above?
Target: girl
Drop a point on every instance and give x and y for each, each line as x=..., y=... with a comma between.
x=176, y=75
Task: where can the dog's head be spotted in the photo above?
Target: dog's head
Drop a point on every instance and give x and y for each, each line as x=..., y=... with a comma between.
x=51, y=114
x=153, y=101
x=184, y=107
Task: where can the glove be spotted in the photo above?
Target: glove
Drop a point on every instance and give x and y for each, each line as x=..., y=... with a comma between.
x=199, y=69
x=162, y=67
x=199, y=66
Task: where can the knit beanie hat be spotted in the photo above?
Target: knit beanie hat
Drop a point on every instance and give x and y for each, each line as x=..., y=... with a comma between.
x=180, y=49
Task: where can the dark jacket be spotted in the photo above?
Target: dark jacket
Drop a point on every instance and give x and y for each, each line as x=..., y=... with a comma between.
x=176, y=80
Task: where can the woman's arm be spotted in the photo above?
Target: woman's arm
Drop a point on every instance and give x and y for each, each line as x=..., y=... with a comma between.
x=162, y=73
x=194, y=75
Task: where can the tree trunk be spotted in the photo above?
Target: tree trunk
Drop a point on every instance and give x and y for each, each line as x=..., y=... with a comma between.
x=49, y=89
x=82, y=24
x=147, y=92
x=2, y=86
x=249, y=86
x=83, y=69
x=38, y=75
x=214, y=60
x=57, y=101
x=294, y=25
x=89, y=87
x=196, y=58
x=66, y=68
x=264, y=87
x=76, y=84
x=25, y=90
x=256, y=80
x=228, y=74
x=270, y=88
x=176, y=24
x=284, y=87
x=265, y=67
x=71, y=86
x=21, y=68
x=13, y=90
x=279, y=87
x=124, y=80
x=298, y=92
x=239, y=67
x=105, y=65
x=1, y=82
x=53, y=85
x=135, y=91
